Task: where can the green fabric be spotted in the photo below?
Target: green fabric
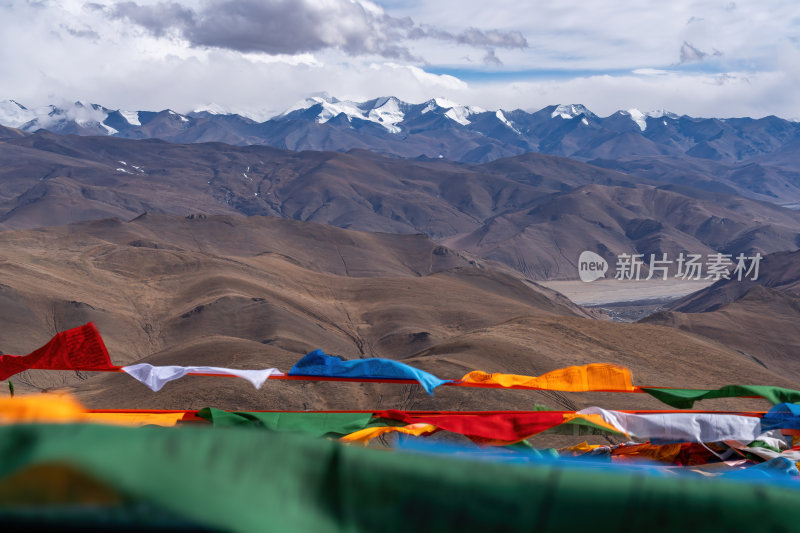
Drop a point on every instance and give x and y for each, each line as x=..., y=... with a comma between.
x=762, y=444
x=685, y=398
x=580, y=426
x=129, y=516
x=243, y=480
x=316, y=424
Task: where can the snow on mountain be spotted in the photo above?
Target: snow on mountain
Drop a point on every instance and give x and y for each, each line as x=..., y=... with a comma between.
x=659, y=113
x=641, y=118
x=444, y=103
x=456, y=112
x=502, y=118
x=570, y=111
x=331, y=107
x=334, y=107
x=459, y=114
x=212, y=109
x=178, y=115
x=83, y=114
x=638, y=117
x=14, y=114
x=388, y=112
x=132, y=117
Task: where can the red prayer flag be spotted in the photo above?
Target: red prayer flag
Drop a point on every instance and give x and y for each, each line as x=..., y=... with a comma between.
x=79, y=348
x=508, y=427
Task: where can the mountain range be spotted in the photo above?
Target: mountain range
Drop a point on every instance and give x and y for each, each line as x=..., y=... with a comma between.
x=742, y=150
x=533, y=212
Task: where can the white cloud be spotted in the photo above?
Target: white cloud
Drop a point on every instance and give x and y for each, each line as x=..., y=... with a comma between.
x=50, y=51
x=735, y=94
x=650, y=72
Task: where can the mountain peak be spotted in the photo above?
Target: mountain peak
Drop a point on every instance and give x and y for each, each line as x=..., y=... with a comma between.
x=386, y=111
x=444, y=103
x=212, y=109
x=311, y=101
x=454, y=111
x=661, y=113
x=570, y=111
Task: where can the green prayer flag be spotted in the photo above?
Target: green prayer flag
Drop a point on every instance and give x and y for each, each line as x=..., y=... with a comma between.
x=241, y=480
x=685, y=398
x=316, y=424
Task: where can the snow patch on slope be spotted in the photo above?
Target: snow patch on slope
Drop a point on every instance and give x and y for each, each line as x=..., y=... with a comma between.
x=502, y=118
x=132, y=117
x=388, y=113
x=638, y=117
x=180, y=117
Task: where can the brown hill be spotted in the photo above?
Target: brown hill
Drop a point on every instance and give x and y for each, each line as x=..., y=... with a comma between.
x=760, y=319
x=545, y=240
x=43, y=174
x=779, y=271
x=261, y=292
x=11, y=133
x=772, y=179
x=763, y=324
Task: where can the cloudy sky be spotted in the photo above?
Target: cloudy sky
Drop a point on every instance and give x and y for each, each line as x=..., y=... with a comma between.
x=703, y=58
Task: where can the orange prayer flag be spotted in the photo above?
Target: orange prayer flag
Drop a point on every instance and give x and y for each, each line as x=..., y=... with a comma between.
x=58, y=408
x=655, y=452
x=580, y=449
x=135, y=419
x=40, y=408
x=364, y=436
x=592, y=377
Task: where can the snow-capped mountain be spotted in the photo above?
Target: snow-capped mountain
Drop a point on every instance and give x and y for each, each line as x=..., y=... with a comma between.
x=79, y=118
x=641, y=118
x=435, y=128
x=570, y=111
x=388, y=112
